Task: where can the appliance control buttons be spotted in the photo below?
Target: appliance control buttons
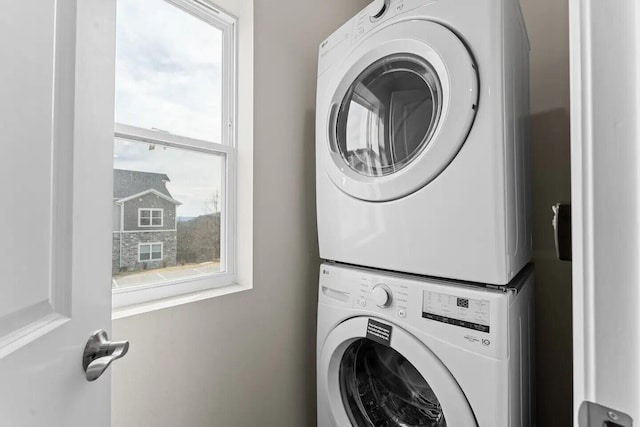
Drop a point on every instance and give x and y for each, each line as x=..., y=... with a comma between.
x=381, y=296
x=402, y=313
x=362, y=302
x=381, y=7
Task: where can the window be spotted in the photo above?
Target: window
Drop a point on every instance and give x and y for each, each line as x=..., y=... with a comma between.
x=389, y=115
x=174, y=149
x=149, y=252
x=150, y=217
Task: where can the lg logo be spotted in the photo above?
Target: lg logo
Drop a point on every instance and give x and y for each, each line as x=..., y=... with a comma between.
x=325, y=271
x=486, y=342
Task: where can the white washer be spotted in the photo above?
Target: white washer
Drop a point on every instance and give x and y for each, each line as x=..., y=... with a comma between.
x=397, y=350
x=422, y=140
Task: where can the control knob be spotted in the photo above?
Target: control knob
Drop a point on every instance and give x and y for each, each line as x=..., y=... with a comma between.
x=378, y=8
x=381, y=296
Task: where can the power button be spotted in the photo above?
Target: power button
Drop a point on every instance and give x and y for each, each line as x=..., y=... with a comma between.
x=402, y=313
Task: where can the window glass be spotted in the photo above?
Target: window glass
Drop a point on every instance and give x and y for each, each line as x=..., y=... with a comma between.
x=174, y=159
x=380, y=387
x=389, y=115
x=189, y=185
x=145, y=252
x=168, y=70
x=156, y=251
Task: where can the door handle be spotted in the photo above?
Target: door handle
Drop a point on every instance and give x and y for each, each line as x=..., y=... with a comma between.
x=562, y=230
x=594, y=415
x=100, y=352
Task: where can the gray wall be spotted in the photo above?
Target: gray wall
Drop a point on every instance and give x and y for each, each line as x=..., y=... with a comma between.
x=116, y=217
x=149, y=201
x=548, y=26
x=129, y=244
x=248, y=358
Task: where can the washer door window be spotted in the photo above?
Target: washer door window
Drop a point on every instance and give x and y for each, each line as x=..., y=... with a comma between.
x=399, y=110
x=389, y=115
x=362, y=383
x=381, y=388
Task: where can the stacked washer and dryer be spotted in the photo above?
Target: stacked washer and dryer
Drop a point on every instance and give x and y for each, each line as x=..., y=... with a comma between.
x=425, y=313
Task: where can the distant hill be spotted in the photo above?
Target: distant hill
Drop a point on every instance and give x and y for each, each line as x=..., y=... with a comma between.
x=186, y=218
x=198, y=239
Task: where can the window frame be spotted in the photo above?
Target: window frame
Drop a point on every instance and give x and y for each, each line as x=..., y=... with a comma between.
x=151, y=210
x=227, y=149
x=151, y=258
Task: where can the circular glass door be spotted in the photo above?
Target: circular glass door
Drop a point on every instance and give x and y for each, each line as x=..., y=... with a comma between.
x=403, y=384
x=396, y=111
x=381, y=388
x=389, y=115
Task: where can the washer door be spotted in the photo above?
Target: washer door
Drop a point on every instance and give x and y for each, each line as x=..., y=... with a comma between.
x=369, y=384
x=400, y=111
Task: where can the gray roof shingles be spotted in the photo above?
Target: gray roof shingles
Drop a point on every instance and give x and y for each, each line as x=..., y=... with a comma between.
x=127, y=183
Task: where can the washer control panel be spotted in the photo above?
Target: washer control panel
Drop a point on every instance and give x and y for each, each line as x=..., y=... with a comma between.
x=471, y=317
x=458, y=311
x=387, y=295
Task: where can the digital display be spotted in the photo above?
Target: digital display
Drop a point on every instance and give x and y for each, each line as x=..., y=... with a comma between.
x=454, y=310
x=463, y=302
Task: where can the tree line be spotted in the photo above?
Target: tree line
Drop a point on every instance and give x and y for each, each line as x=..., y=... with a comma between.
x=199, y=239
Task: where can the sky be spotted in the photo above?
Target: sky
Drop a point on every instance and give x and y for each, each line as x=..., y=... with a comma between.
x=168, y=77
x=194, y=177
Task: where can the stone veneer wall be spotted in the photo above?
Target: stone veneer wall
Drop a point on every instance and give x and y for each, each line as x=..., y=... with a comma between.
x=129, y=247
x=115, y=253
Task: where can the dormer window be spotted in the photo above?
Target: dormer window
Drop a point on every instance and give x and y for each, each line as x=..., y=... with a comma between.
x=150, y=217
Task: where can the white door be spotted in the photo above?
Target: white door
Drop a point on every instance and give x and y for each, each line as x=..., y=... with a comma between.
x=56, y=130
x=605, y=92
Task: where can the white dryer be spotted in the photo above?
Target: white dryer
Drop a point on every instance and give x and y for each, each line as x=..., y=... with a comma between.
x=422, y=140
x=397, y=351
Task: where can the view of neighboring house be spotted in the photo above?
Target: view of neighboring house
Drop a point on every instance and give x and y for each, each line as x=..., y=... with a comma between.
x=144, y=222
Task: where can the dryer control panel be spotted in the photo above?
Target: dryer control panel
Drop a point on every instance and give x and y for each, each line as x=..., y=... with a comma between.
x=338, y=44
x=374, y=14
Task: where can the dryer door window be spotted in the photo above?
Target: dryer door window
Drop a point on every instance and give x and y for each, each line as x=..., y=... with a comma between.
x=380, y=387
x=389, y=115
x=395, y=113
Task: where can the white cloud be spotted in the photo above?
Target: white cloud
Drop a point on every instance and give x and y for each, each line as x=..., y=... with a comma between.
x=195, y=177
x=168, y=70
x=168, y=76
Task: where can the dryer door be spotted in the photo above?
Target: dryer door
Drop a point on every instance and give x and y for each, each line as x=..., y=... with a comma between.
x=370, y=382
x=401, y=107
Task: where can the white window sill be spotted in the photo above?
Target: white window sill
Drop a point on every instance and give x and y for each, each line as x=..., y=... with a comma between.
x=134, y=310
